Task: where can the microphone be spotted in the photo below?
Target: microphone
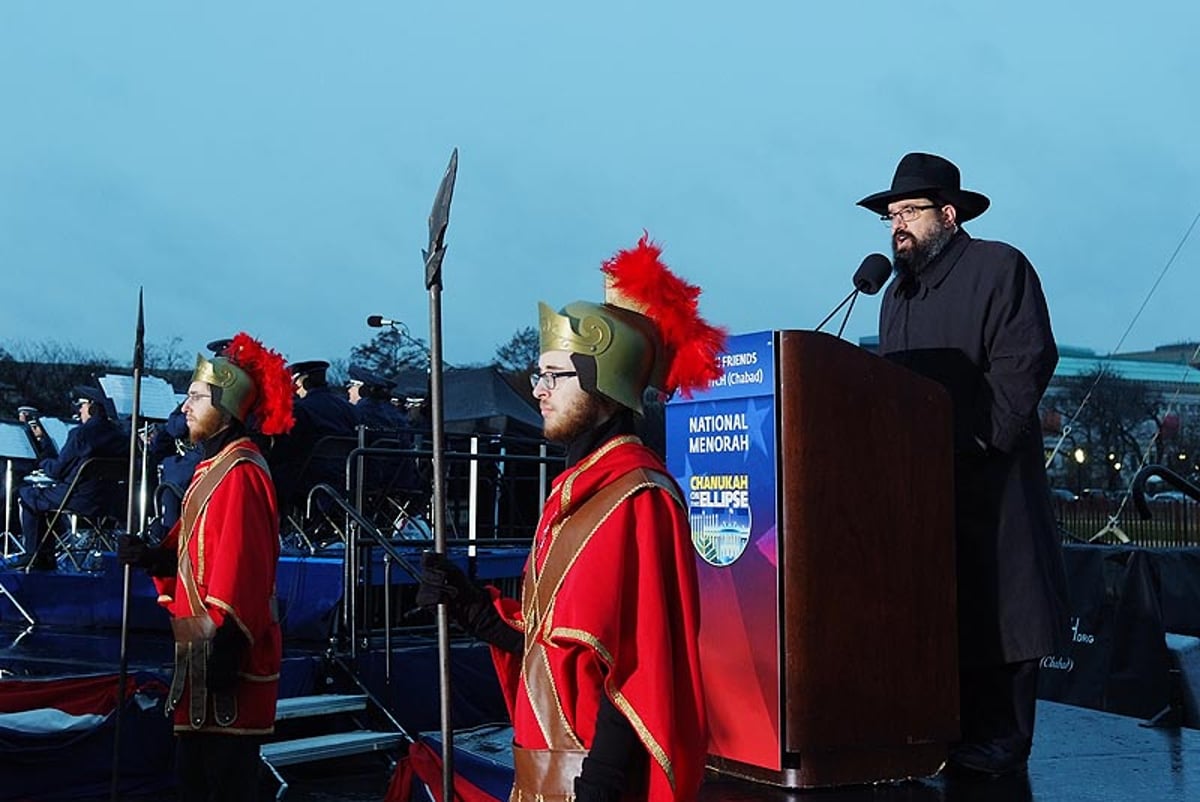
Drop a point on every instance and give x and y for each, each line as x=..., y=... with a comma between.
x=871, y=275
x=379, y=321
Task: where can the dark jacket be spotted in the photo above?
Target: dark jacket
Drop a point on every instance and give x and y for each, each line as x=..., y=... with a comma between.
x=320, y=413
x=387, y=423
x=381, y=416
x=99, y=437
x=170, y=449
x=976, y=321
x=178, y=464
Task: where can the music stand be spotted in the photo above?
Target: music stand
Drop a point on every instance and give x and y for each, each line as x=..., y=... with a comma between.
x=158, y=399
x=57, y=429
x=14, y=445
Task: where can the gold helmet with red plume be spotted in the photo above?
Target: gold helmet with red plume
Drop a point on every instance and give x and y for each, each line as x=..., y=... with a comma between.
x=251, y=383
x=647, y=333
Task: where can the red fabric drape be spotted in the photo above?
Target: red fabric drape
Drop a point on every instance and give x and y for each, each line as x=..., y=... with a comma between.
x=76, y=696
x=426, y=765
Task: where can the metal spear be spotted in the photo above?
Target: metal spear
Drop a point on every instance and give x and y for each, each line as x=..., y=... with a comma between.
x=439, y=219
x=139, y=363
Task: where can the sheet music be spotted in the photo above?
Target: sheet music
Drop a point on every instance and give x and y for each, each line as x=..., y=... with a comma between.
x=158, y=396
x=14, y=442
x=58, y=430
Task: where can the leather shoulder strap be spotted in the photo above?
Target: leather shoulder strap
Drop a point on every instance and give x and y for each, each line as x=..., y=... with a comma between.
x=570, y=539
x=194, y=502
x=575, y=532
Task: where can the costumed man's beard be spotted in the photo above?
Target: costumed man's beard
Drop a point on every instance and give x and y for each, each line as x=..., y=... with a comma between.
x=921, y=251
x=567, y=424
x=205, y=424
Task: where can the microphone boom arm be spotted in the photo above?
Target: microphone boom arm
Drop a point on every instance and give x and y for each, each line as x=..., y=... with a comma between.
x=846, y=317
x=847, y=300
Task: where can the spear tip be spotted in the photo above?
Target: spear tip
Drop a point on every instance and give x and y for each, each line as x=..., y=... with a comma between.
x=139, y=342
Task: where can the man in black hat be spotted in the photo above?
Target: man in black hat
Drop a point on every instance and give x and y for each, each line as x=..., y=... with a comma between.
x=970, y=314
x=96, y=436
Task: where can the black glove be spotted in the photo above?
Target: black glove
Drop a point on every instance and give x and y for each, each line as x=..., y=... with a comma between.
x=470, y=605
x=133, y=551
x=590, y=792
x=225, y=656
x=443, y=581
x=616, y=759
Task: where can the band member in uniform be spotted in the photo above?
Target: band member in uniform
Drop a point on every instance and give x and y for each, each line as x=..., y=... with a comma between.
x=598, y=660
x=371, y=396
x=98, y=435
x=172, y=450
x=319, y=412
x=215, y=573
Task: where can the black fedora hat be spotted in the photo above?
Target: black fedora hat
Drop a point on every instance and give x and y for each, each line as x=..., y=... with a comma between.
x=923, y=175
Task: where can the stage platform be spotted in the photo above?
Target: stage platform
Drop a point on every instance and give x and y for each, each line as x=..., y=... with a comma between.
x=1079, y=755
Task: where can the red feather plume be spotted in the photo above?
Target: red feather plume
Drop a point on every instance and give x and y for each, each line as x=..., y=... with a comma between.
x=272, y=409
x=638, y=280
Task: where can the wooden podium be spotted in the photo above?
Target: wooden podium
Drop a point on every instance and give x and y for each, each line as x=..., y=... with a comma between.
x=865, y=574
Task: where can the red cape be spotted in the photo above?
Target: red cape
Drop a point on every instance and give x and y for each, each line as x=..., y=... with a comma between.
x=233, y=550
x=624, y=623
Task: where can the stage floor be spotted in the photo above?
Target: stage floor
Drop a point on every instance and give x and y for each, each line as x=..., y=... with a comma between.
x=1079, y=755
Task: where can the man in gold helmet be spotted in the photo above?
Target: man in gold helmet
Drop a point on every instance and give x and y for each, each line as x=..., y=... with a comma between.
x=598, y=661
x=215, y=572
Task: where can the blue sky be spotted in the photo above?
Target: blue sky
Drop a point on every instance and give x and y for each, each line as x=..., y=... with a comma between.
x=269, y=166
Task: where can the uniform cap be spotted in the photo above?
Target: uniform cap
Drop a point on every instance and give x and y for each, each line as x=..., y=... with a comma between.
x=307, y=367
x=366, y=377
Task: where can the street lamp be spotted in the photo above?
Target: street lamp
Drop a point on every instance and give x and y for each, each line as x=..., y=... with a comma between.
x=1080, y=457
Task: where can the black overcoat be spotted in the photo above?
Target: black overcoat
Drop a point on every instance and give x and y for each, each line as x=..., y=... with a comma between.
x=976, y=321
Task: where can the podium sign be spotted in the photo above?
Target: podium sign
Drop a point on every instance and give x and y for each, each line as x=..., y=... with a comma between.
x=721, y=449
x=820, y=488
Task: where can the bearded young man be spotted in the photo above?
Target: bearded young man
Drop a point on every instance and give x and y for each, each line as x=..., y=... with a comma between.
x=598, y=660
x=970, y=314
x=215, y=574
